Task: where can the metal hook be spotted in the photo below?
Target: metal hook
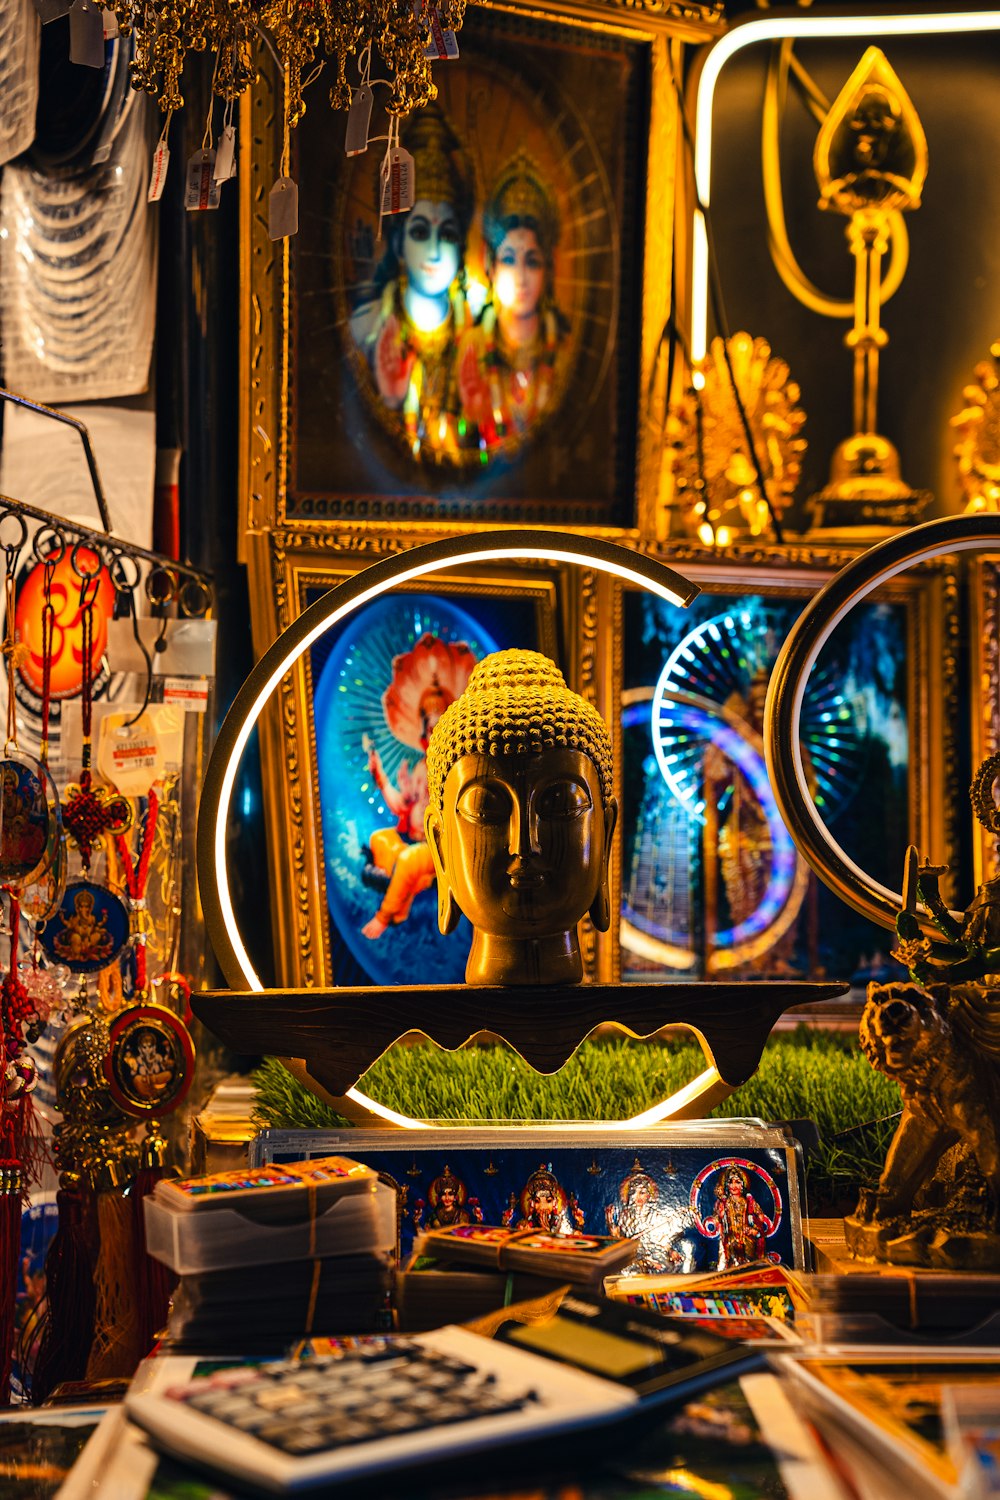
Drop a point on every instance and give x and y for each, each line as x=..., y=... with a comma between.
x=44, y=553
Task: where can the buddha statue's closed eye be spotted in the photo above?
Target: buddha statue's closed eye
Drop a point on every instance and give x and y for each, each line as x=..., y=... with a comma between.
x=520, y=819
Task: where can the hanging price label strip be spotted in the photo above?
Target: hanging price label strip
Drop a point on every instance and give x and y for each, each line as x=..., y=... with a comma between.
x=225, y=156
x=442, y=43
x=283, y=209
x=397, y=181
x=86, y=35
x=161, y=161
x=358, y=121
x=201, y=190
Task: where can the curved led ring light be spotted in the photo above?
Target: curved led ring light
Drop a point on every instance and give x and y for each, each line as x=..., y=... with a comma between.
x=776, y=28
x=786, y=691
x=337, y=605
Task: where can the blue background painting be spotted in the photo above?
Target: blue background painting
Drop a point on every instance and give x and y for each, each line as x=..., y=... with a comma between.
x=351, y=670
x=856, y=739
x=593, y=1176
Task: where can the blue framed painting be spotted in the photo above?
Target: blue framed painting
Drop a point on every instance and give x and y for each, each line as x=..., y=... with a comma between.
x=711, y=883
x=374, y=689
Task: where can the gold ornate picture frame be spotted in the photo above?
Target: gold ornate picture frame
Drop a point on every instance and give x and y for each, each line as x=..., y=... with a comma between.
x=591, y=141
x=335, y=824
x=904, y=711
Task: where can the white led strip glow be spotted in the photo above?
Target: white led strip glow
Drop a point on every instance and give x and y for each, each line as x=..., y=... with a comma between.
x=772, y=30
x=487, y=550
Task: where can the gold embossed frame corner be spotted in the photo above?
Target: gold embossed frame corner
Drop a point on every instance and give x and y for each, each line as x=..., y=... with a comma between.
x=374, y=388
x=701, y=882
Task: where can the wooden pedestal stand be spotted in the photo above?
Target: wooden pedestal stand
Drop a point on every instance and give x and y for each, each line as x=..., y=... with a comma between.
x=330, y=1038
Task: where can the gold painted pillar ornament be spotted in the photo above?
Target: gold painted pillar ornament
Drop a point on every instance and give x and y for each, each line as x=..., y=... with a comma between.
x=870, y=161
x=977, y=452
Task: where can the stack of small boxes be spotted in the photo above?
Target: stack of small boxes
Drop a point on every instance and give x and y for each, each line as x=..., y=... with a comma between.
x=273, y=1254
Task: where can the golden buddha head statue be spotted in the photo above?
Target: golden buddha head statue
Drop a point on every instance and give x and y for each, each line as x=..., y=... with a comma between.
x=520, y=819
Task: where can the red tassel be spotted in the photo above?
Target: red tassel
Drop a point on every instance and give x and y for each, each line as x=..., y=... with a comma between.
x=154, y=1282
x=10, y=1251
x=68, y=1331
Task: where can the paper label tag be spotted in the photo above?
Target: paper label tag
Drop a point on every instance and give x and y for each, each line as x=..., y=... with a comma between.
x=86, y=35
x=158, y=176
x=201, y=190
x=130, y=756
x=397, y=182
x=110, y=21
x=283, y=209
x=225, y=155
x=51, y=10
x=358, y=120
x=189, y=693
x=442, y=43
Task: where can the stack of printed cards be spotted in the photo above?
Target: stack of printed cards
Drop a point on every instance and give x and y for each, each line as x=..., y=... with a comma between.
x=581, y=1259
x=468, y=1270
x=307, y=1244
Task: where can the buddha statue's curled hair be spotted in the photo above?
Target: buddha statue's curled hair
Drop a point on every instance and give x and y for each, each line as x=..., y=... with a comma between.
x=516, y=703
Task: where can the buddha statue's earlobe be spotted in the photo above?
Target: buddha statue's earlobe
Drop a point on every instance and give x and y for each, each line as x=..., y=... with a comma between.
x=600, y=908
x=448, y=911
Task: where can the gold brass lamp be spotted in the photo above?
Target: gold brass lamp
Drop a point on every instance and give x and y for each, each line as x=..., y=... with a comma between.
x=870, y=160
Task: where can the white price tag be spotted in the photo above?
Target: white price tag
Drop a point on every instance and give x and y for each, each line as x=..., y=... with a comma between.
x=442, y=43
x=129, y=755
x=110, y=24
x=358, y=120
x=86, y=35
x=158, y=176
x=189, y=693
x=201, y=190
x=397, y=181
x=283, y=209
x=225, y=156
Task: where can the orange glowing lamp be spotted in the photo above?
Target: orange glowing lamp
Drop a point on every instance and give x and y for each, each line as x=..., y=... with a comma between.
x=66, y=677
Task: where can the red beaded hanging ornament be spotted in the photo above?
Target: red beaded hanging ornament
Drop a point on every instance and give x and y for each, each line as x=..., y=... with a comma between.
x=88, y=812
x=23, y=847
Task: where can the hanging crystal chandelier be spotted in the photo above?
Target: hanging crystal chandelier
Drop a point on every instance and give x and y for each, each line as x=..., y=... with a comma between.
x=399, y=38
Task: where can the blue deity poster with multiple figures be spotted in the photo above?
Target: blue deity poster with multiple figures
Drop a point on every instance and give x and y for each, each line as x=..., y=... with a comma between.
x=733, y=1198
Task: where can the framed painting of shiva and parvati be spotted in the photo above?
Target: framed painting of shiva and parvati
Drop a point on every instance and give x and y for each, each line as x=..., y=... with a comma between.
x=710, y=884
x=484, y=357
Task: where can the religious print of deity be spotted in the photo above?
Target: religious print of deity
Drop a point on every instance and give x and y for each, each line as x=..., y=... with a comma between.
x=25, y=818
x=724, y=1207
x=479, y=350
x=89, y=930
x=448, y=1203
x=150, y=1060
x=657, y=1191
x=699, y=811
x=379, y=686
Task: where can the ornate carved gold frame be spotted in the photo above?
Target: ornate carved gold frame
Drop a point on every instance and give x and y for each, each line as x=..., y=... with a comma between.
x=984, y=697
x=931, y=594
x=660, y=25
x=283, y=568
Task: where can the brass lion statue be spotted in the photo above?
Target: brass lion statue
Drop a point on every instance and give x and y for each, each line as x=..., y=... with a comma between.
x=938, y=1199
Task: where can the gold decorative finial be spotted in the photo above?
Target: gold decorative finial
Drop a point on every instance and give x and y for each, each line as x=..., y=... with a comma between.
x=870, y=161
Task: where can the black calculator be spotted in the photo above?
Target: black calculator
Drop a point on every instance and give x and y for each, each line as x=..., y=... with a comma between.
x=396, y=1404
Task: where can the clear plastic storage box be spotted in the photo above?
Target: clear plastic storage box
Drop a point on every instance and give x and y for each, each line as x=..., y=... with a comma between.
x=360, y=1224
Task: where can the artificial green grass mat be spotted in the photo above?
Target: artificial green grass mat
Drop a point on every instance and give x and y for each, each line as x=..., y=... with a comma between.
x=806, y=1074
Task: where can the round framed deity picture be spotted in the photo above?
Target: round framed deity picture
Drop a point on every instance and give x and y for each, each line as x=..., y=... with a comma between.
x=89, y=929
x=737, y=1202
x=150, y=1060
x=26, y=819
